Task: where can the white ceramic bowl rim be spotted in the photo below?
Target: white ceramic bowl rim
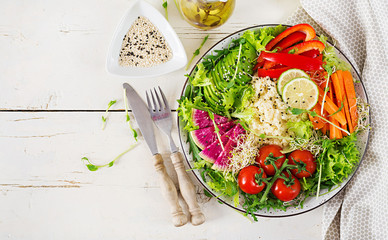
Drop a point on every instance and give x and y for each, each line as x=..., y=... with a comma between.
x=183, y=141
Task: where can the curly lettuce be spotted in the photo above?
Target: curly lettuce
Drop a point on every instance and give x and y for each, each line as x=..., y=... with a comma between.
x=302, y=129
x=262, y=37
x=330, y=58
x=338, y=159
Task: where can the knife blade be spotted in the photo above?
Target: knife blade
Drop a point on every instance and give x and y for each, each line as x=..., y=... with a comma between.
x=142, y=116
x=144, y=121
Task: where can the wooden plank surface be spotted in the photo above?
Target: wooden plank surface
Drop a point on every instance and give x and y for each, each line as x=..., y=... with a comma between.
x=47, y=193
x=54, y=52
x=53, y=90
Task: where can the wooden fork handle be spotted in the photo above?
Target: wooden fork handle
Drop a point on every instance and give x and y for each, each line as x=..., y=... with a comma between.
x=169, y=191
x=187, y=189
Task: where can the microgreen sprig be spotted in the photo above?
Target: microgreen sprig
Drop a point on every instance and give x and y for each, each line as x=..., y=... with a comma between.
x=93, y=167
x=105, y=116
x=164, y=4
x=196, y=52
x=216, y=129
x=128, y=119
x=274, y=178
x=298, y=111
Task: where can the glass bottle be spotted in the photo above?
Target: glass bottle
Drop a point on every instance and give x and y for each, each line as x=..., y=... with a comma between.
x=206, y=14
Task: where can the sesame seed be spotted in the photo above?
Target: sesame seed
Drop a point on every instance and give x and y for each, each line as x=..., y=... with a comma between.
x=145, y=36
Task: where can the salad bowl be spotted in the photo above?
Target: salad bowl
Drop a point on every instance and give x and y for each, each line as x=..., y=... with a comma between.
x=311, y=202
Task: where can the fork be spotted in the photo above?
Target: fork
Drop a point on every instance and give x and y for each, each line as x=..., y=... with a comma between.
x=161, y=115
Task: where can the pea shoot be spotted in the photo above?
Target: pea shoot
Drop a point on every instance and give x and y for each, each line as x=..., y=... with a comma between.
x=105, y=116
x=92, y=167
x=197, y=52
x=128, y=119
x=298, y=111
x=164, y=4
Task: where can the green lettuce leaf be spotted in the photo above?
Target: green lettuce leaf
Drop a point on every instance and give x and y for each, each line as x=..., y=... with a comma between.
x=302, y=129
x=201, y=77
x=262, y=37
x=330, y=58
x=338, y=159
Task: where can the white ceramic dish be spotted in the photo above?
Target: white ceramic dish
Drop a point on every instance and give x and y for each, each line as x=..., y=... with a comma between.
x=312, y=202
x=141, y=8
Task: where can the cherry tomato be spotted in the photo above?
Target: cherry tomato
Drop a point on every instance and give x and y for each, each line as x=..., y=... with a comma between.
x=247, y=179
x=286, y=192
x=264, y=152
x=306, y=158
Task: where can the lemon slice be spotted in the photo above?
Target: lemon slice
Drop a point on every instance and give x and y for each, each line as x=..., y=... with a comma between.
x=288, y=76
x=300, y=93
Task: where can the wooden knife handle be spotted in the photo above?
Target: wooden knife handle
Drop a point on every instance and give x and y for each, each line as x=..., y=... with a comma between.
x=169, y=191
x=187, y=189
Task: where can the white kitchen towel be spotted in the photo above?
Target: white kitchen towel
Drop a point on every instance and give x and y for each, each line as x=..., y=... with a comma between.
x=360, y=29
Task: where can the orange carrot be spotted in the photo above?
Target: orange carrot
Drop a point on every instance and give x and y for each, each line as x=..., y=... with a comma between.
x=345, y=101
x=339, y=93
x=351, y=97
x=317, y=122
x=331, y=108
x=335, y=133
x=325, y=128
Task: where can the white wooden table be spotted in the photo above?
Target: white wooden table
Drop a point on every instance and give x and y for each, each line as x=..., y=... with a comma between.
x=53, y=91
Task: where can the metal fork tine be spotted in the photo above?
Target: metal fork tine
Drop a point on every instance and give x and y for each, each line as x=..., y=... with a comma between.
x=150, y=108
x=156, y=108
x=158, y=98
x=164, y=98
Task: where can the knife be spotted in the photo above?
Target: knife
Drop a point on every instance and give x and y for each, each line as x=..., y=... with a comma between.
x=144, y=121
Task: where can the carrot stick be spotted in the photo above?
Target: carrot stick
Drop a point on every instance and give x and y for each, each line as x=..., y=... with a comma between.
x=345, y=101
x=351, y=97
x=331, y=108
x=335, y=133
x=317, y=122
x=339, y=93
x=325, y=128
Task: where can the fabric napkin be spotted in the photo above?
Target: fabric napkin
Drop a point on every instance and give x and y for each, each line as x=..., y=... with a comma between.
x=360, y=29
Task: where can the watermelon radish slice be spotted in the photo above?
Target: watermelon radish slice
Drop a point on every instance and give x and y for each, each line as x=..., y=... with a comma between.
x=222, y=161
x=205, y=136
x=202, y=119
x=211, y=152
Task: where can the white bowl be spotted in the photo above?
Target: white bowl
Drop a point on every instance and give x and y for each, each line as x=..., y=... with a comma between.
x=141, y=8
x=311, y=202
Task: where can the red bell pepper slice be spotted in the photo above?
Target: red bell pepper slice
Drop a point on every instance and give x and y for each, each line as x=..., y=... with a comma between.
x=300, y=49
x=290, y=40
x=305, y=28
x=312, y=53
x=294, y=61
x=306, y=46
x=272, y=73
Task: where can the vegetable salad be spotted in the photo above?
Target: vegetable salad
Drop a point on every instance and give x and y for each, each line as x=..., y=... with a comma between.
x=317, y=148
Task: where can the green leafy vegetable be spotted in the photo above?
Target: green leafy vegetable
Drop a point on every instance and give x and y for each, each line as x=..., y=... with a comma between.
x=297, y=111
x=196, y=52
x=105, y=117
x=302, y=129
x=338, y=159
x=262, y=37
x=330, y=58
x=200, y=78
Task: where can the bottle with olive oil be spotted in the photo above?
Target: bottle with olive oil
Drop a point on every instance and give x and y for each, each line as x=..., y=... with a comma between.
x=206, y=14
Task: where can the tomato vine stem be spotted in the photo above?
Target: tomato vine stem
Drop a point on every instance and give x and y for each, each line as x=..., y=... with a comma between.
x=274, y=178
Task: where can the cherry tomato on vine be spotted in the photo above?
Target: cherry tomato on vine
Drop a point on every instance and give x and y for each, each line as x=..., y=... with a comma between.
x=249, y=179
x=286, y=190
x=302, y=158
x=271, y=152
